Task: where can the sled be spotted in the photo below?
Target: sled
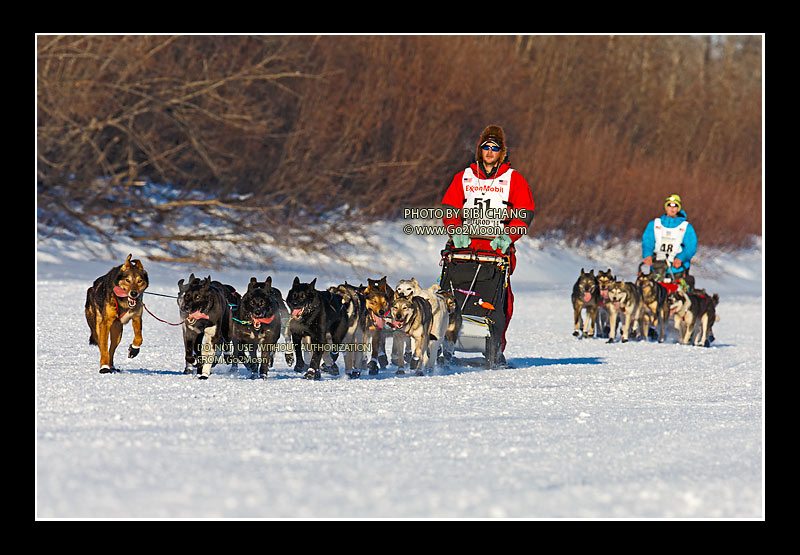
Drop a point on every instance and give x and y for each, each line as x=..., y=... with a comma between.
x=664, y=274
x=478, y=281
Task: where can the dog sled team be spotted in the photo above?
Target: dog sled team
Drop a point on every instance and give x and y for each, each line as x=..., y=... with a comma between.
x=470, y=312
x=606, y=307
x=221, y=325
x=644, y=308
x=425, y=324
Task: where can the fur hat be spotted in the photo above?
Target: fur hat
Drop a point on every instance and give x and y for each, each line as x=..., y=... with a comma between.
x=493, y=133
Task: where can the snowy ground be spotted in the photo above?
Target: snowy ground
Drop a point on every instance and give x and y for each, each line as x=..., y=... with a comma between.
x=577, y=429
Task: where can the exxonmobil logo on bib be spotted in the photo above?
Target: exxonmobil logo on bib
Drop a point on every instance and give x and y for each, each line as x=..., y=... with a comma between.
x=482, y=189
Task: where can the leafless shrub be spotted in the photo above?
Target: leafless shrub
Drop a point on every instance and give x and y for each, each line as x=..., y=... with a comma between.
x=268, y=135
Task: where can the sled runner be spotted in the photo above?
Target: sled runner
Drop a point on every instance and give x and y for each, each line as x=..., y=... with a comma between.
x=478, y=281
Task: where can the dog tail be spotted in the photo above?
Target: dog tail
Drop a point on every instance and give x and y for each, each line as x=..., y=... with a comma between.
x=715, y=300
x=90, y=316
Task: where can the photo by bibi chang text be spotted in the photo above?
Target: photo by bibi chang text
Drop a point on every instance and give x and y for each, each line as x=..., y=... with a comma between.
x=465, y=213
x=485, y=222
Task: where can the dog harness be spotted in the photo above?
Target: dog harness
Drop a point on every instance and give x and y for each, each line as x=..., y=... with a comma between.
x=668, y=239
x=118, y=292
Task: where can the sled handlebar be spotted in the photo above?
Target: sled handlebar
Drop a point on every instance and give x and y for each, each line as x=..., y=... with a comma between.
x=478, y=255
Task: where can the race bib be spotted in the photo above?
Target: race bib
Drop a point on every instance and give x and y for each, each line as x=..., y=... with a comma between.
x=486, y=203
x=668, y=239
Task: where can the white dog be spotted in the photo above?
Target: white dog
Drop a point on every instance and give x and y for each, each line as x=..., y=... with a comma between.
x=441, y=316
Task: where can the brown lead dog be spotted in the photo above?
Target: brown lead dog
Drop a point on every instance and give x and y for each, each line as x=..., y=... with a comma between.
x=114, y=300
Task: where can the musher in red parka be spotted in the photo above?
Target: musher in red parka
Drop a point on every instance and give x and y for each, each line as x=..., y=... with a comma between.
x=490, y=183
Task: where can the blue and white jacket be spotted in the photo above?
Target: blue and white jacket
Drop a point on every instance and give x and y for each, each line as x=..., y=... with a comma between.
x=688, y=244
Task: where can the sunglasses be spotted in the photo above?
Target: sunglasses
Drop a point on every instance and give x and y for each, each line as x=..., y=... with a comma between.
x=672, y=204
x=494, y=148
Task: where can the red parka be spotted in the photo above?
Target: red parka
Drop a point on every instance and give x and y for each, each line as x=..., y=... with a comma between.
x=520, y=197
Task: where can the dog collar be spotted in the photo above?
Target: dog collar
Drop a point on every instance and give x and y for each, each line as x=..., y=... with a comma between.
x=255, y=321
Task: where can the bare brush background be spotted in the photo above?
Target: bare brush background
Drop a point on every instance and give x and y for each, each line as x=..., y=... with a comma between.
x=301, y=141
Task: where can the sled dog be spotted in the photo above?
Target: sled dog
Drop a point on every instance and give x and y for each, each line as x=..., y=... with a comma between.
x=414, y=316
x=604, y=281
x=354, y=312
x=204, y=306
x=257, y=323
x=585, y=296
x=314, y=314
x=112, y=301
x=624, y=303
x=453, y=324
x=441, y=316
x=655, y=306
x=378, y=298
x=693, y=313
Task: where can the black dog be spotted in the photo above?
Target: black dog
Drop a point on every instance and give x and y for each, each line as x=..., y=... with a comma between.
x=257, y=324
x=204, y=306
x=314, y=314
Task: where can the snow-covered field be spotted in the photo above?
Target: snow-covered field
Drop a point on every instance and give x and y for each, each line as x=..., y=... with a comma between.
x=577, y=429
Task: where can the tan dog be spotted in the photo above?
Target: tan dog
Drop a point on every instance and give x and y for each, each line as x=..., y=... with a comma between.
x=625, y=303
x=112, y=301
x=655, y=306
x=604, y=281
x=378, y=298
x=413, y=316
x=441, y=315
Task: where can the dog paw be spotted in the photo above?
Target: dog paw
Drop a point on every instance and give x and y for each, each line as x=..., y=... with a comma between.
x=133, y=351
x=372, y=366
x=312, y=374
x=331, y=369
x=354, y=374
x=383, y=361
x=400, y=372
x=300, y=368
x=189, y=369
x=107, y=369
x=576, y=333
